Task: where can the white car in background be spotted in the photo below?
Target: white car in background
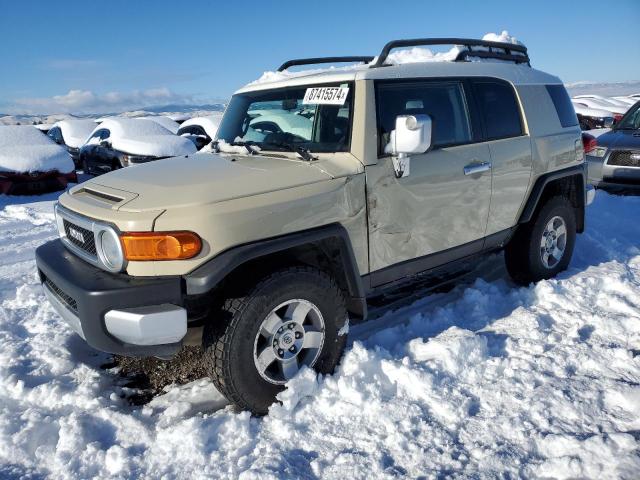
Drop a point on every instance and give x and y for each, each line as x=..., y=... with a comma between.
x=72, y=134
x=121, y=142
x=597, y=103
x=627, y=100
x=31, y=162
x=201, y=130
x=591, y=118
x=604, y=100
x=166, y=122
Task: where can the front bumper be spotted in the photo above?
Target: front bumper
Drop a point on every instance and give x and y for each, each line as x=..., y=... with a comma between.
x=603, y=175
x=114, y=313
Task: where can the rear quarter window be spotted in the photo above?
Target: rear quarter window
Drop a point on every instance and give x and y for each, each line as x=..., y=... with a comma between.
x=499, y=109
x=564, y=107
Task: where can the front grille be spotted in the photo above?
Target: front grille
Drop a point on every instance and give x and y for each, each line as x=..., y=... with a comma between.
x=63, y=297
x=80, y=237
x=623, y=158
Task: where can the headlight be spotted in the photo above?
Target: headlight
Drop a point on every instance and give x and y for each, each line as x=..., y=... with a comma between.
x=598, y=152
x=111, y=250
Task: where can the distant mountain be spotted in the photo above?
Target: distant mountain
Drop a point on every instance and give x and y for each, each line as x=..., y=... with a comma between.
x=212, y=107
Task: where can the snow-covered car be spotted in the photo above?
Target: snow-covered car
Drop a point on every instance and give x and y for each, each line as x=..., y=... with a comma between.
x=166, y=122
x=200, y=130
x=614, y=158
x=72, y=134
x=627, y=100
x=591, y=118
x=120, y=142
x=597, y=103
x=604, y=100
x=31, y=162
x=179, y=118
x=43, y=127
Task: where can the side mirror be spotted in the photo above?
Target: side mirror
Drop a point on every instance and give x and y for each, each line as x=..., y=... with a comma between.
x=412, y=136
x=105, y=143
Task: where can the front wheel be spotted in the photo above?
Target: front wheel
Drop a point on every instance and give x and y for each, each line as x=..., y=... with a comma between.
x=291, y=319
x=543, y=247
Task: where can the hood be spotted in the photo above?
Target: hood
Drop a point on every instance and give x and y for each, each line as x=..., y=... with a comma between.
x=35, y=158
x=155, y=145
x=207, y=178
x=621, y=139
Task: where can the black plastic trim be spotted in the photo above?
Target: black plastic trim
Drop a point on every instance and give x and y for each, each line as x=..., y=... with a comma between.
x=464, y=55
x=209, y=275
x=321, y=60
x=544, y=180
x=96, y=292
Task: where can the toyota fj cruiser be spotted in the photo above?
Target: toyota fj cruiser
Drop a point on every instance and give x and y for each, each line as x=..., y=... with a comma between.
x=321, y=190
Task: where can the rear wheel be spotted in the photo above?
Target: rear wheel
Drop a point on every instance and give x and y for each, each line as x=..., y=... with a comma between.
x=289, y=320
x=543, y=247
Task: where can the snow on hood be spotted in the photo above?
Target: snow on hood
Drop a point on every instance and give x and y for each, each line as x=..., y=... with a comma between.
x=24, y=149
x=166, y=122
x=397, y=57
x=75, y=131
x=139, y=136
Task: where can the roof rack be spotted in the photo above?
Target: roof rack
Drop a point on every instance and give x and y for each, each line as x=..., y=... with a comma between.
x=319, y=60
x=506, y=51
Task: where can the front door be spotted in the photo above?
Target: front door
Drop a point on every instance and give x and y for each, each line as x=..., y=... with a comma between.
x=439, y=211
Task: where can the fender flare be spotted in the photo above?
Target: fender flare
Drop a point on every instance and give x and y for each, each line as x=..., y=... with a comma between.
x=206, y=277
x=546, y=179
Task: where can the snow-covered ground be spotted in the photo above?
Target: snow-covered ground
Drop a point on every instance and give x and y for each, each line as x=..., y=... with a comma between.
x=487, y=380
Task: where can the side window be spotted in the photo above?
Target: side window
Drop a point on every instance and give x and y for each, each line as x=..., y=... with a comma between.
x=97, y=136
x=56, y=135
x=443, y=101
x=192, y=130
x=499, y=109
x=564, y=107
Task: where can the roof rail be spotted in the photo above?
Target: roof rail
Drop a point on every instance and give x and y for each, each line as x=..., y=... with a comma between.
x=507, y=51
x=319, y=60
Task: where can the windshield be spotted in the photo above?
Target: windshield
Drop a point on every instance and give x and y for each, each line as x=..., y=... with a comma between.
x=285, y=118
x=631, y=120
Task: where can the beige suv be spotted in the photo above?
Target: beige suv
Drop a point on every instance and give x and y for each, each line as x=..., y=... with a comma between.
x=321, y=189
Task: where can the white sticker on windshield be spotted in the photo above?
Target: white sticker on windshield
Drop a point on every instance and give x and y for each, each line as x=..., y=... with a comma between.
x=325, y=96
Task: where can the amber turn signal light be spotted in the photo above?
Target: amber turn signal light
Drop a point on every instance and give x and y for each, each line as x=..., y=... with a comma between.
x=141, y=246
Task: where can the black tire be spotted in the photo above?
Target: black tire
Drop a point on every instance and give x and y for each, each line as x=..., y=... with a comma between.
x=523, y=253
x=229, y=342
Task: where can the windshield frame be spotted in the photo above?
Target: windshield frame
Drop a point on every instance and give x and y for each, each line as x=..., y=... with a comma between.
x=269, y=148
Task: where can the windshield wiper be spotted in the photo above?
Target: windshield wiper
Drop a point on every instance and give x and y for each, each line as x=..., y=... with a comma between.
x=305, y=153
x=215, y=145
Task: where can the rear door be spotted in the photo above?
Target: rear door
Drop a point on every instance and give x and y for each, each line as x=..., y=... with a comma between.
x=439, y=212
x=510, y=147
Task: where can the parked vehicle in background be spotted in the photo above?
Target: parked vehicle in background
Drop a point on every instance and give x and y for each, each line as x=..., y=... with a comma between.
x=121, y=142
x=179, y=118
x=31, y=162
x=627, y=100
x=591, y=118
x=72, y=134
x=596, y=103
x=166, y=122
x=200, y=130
x=43, y=127
x=344, y=183
x=614, y=158
x=604, y=100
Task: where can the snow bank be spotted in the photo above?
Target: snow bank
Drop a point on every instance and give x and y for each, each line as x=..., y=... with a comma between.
x=24, y=149
x=139, y=136
x=486, y=381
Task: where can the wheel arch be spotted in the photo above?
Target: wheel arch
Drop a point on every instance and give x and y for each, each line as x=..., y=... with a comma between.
x=570, y=182
x=327, y=248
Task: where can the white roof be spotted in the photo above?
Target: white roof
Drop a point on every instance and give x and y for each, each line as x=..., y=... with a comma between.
x=75, y=131
x=25, y=149
x=139, y=136
x=210, y=123
x=516, y=74
x=590, y=112
x=166, y=122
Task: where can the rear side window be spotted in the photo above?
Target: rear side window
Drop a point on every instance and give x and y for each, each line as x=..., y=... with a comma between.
x=564, y=107
x=443, y=101
x=499, y=109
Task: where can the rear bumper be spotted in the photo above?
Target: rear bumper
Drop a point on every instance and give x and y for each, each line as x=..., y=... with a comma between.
x=114, y=313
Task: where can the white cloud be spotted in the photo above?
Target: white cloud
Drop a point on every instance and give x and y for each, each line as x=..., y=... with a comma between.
x=86, y=101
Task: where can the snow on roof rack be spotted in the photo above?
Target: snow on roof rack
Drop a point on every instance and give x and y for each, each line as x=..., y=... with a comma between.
x=507, y=51
x=319, y=60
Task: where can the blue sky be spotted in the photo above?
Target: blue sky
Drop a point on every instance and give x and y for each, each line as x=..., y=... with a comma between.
x=79, y=55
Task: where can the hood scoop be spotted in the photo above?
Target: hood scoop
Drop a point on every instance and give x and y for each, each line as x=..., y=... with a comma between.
x=101, y=195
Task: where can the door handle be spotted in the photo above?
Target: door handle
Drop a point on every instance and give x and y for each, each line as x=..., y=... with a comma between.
x=474, y=168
